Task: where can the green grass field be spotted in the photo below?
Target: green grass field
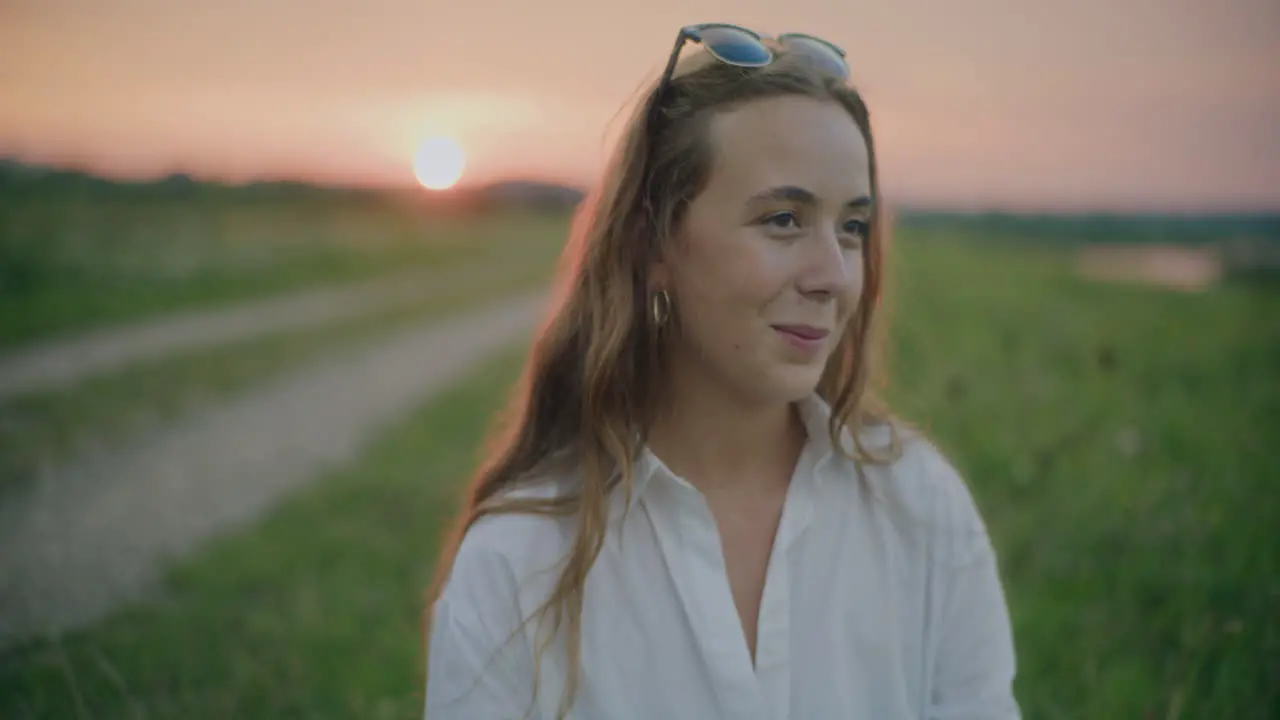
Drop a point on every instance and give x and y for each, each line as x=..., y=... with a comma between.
x=78, y=259
x=39, y=430
x=1119, y=440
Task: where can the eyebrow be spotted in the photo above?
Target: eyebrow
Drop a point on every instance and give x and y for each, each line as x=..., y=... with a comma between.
x=791, y=193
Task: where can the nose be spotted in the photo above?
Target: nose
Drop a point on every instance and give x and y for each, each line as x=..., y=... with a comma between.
x=829, y=268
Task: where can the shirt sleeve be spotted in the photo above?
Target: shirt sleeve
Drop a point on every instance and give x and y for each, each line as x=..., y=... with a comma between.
x=975, y=664
x=479, y=661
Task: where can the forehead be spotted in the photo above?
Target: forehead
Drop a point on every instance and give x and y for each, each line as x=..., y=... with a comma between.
x=792, y=140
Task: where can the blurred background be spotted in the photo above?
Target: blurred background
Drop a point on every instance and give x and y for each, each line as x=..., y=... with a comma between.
x=267, y=269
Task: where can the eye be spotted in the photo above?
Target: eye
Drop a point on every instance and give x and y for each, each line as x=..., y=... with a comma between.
x=857, y=227
x=854, y=232
x=784, y=220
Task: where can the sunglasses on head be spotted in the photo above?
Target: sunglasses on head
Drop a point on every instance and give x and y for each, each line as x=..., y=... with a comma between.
x=735, y=45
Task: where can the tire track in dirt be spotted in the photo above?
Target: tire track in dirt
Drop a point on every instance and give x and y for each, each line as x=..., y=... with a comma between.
x=59, y=362
x=98, y=532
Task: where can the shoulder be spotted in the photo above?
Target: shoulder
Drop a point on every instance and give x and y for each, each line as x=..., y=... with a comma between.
x=927, y=495
x=478, y=663
x=509, y=547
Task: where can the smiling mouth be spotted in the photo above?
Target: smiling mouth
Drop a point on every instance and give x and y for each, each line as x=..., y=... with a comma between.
x=804, y=333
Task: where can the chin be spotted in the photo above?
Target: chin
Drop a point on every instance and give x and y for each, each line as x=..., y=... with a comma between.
x=794, y=382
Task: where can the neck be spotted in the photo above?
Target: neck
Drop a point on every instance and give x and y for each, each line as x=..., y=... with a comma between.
x=716, y=439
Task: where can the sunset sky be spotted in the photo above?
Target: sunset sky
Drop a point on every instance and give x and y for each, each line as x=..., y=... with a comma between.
x=1018, y=104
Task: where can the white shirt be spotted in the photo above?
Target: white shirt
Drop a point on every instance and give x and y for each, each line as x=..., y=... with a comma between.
x=876, y=605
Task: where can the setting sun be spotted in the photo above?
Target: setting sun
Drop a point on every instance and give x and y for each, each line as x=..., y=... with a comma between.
x=439, y=163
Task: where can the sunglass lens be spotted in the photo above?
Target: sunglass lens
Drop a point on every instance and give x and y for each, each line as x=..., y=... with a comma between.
x=734, y=46
x=821, y=54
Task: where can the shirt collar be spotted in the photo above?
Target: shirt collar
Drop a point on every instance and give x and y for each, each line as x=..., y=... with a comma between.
x=815, y=414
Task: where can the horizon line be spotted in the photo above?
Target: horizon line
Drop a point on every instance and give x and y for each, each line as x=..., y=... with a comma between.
x=906, y=204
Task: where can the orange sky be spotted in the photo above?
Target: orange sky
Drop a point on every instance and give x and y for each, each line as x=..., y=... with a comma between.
x=1006, y=103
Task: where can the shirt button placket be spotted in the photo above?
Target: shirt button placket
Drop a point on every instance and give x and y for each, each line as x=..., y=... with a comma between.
x=738, y=690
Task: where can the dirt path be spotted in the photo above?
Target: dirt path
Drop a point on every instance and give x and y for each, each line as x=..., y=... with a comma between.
x=98, y=532
x=62, y=361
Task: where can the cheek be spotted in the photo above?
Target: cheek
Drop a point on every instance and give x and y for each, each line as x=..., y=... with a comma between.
x=857, y=282
x=761, y=271
x=724, y=296
x=735, y=271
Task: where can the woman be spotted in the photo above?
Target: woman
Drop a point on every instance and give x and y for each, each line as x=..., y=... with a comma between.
x=700, y=510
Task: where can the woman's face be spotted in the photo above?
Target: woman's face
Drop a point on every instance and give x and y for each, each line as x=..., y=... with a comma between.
x=767, y=265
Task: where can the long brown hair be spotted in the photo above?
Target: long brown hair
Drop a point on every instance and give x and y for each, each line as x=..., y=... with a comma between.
x=590, y=387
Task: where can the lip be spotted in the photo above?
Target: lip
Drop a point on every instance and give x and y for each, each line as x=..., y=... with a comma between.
x=805, y=339
x=805, y=333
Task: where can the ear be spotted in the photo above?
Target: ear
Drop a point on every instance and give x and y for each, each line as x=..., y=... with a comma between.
x=661, y=268
x=659, y=276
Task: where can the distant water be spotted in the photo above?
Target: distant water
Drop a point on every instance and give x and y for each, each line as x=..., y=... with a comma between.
x=1167, y=228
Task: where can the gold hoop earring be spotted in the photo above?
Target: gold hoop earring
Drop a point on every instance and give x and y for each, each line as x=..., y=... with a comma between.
x=661, y=308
